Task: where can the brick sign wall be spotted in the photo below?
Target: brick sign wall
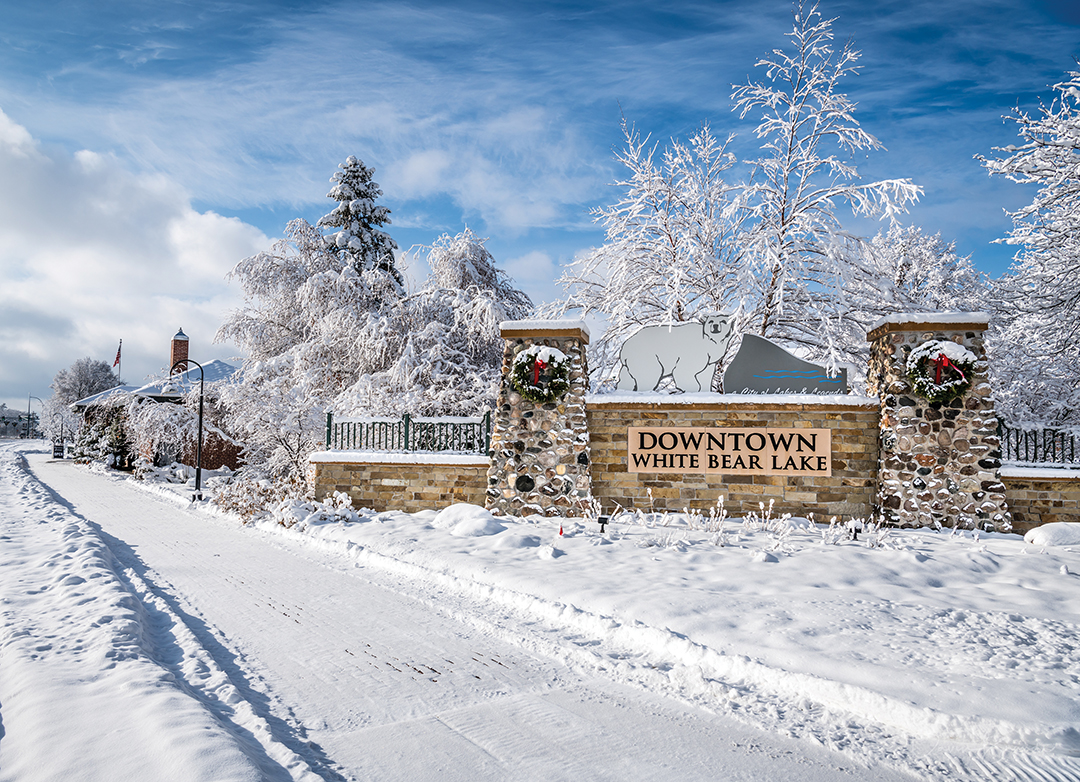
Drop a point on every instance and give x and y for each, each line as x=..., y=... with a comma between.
x=729, y=450
x=842, y=431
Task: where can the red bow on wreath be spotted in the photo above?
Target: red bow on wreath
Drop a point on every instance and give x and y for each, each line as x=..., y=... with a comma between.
x=538, y=364
x=942, y=362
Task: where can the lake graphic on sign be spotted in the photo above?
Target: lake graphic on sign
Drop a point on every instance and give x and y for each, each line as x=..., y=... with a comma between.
x=762, y=367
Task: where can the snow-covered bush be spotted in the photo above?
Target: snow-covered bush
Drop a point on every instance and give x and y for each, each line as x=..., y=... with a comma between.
x=301, y=514
x=252, y=498
x=103, y=436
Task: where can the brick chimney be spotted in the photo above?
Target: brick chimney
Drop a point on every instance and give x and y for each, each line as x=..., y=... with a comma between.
x=179, y=350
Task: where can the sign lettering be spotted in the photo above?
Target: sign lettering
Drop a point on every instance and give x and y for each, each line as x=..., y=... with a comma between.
x=715, y=450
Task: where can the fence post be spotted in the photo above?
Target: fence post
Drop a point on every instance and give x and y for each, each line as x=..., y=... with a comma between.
x=487, y=433
x=329, y=427
x=407, y=445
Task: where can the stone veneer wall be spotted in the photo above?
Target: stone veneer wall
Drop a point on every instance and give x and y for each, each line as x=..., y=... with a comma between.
x=847, y=493
x=388, y=481
x=540, y=453
x=939, y=461
x=1041, y=496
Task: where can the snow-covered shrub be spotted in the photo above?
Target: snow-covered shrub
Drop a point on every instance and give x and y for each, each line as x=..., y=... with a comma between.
x=251, y=497
x=301, y=514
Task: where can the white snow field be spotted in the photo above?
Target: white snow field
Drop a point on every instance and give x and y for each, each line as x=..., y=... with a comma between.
x=146, y=638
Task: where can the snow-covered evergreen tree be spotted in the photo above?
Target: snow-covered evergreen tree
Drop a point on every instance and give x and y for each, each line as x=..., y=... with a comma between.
x=358, y=218
x=804, y=258
x=674, y=244
x=445, y=337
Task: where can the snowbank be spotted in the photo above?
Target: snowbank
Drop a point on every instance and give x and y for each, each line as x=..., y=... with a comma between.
x=1058, y=533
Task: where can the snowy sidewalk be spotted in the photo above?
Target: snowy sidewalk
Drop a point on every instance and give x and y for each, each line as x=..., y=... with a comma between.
x=299, y=663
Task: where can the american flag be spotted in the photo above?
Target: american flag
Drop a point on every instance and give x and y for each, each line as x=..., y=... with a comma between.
x=117, y=362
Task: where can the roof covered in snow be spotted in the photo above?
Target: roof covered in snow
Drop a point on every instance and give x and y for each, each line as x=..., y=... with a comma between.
x=179, y=384
x=102, y=396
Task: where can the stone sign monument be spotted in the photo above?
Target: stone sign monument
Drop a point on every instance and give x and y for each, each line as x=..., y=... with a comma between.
x=940, y=452
x=540, y=438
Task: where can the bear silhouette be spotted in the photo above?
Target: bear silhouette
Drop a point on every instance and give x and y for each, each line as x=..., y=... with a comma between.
x=685, y=352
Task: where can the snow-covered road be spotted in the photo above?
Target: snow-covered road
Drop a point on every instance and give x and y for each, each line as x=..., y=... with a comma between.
x=141, y=635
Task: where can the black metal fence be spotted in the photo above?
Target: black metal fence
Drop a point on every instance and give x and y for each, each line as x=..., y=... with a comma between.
x=458, y=435
x=1038, y=446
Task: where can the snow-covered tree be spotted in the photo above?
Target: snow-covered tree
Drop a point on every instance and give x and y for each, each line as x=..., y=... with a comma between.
x=673, y=250
x=683, y=242
x=83, y=378
x=445, y=338
x=1045, y=276
x=311, y=327
x=1035, y=384
x=805, y=260
x=918, y=271
x=58, y=420
x=1035, y=345
x=357, y=218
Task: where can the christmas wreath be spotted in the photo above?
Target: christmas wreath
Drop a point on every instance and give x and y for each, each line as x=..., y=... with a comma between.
x=941, y=370
x=540, y=374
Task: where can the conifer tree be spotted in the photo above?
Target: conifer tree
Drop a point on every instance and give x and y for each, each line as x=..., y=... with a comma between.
x=358, y=219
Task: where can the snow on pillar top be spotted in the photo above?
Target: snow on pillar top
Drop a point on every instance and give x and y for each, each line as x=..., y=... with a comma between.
x=929, y=321
x=179, y=351
x=574, y=329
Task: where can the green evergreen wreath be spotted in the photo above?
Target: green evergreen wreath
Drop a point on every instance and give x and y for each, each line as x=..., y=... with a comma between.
x=941, y=370
x=540, y=374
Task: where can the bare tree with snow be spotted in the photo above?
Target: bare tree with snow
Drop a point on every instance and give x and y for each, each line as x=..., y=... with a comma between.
x=85, y=377
x=805, y=260
x=673, y=250
x=1036, y=350
x=312, y=325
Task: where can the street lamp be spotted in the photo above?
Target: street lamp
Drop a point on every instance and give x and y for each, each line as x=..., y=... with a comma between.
x=28, y=398
x=181, y=365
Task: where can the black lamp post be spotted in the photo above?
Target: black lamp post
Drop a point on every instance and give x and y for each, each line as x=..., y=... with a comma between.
x=182, y=364
x=28, y=398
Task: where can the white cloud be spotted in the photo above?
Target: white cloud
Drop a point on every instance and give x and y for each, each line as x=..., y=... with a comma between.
x=91, y=254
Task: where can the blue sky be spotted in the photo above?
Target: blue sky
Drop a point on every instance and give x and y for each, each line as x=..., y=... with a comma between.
x=145, y=148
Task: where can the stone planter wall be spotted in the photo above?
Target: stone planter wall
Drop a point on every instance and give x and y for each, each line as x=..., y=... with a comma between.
x=540, y=452
x=405, y=482
x=1041, y=496
x=847, y=493
x=939, y=461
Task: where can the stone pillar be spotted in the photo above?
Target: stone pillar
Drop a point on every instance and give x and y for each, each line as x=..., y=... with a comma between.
x=939, y=461
x=540, y=452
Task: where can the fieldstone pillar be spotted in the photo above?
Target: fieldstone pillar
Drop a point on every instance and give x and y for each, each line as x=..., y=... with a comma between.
x=939, y=460
x=540, y=449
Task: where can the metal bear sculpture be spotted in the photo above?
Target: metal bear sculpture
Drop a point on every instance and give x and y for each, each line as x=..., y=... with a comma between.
x=685, y=352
